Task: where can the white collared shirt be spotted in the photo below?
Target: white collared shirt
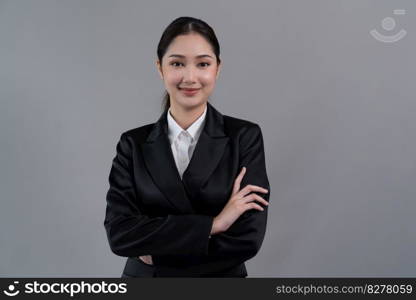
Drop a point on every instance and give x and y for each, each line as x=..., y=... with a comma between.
x=184, y=141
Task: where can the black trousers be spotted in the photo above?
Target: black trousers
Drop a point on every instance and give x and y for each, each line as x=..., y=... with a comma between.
x=135, y=267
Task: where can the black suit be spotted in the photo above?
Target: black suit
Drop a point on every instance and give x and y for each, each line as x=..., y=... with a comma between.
x=151, y=211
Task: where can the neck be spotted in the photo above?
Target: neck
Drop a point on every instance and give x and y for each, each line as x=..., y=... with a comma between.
x=186, y=116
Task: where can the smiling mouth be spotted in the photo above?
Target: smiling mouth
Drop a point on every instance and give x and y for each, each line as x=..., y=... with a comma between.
x=188, y=90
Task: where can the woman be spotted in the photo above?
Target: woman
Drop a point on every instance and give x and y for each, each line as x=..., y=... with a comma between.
x=184, y=197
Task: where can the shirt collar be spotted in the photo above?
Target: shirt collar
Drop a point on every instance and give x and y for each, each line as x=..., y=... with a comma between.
x=194, y=130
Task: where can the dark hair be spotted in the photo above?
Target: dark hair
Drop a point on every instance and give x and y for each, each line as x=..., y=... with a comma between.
x=183, y=26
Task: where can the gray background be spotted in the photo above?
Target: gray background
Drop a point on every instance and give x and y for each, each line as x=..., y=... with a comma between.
x=335, y=106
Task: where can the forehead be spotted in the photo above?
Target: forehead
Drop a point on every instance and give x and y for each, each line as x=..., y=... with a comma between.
x=189, y=45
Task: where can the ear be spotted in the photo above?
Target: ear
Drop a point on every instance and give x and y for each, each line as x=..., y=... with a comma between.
x=159, y=68
x=218, y=70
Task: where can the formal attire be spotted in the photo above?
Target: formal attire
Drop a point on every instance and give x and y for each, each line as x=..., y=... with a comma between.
x=166, y=186
x=182, y=141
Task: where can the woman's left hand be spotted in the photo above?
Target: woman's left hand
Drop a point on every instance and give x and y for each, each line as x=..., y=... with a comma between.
x=146, y=259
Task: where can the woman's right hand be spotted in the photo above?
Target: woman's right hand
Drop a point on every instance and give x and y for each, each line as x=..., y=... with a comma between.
x=238, y=203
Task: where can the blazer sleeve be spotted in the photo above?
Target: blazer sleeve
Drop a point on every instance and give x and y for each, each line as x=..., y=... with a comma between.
x=131, y=233
x=245, y=236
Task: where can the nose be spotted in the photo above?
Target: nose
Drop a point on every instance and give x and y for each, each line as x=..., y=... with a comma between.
x=189, y=74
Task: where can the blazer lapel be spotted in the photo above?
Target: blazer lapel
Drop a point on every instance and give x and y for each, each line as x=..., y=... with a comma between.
x=207, y=154
x=161, y=165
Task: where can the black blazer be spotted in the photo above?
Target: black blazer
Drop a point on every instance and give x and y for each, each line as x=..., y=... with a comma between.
x=151, y=211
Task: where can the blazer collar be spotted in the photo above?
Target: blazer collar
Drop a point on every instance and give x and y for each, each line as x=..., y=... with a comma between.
x=174, y=129
x=160, y=162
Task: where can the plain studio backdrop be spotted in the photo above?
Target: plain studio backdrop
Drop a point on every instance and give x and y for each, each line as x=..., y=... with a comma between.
x=336, y=105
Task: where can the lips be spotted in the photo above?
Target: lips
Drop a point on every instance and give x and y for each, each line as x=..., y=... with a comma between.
x=188, y=90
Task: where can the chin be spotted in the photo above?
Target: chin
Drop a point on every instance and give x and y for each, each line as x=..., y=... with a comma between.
x=191, y=102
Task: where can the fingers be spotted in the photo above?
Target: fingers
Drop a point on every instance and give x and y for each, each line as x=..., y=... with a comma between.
x=252, y=205
x=252, y=188
x=238, y=179
x=255, y=197
x=146, y=259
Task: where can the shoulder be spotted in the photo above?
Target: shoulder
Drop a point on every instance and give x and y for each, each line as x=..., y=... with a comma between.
x=247, y=134
x=240, y=127
x=233, y=127
x=138, y=134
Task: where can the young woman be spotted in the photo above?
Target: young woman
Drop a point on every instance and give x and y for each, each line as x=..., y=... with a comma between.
x=189, y=193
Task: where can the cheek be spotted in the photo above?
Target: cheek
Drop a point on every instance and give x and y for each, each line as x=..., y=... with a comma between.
x=172, y=79
x=208, y=78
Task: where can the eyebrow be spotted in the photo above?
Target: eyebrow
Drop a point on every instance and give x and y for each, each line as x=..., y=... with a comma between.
x=198, y=56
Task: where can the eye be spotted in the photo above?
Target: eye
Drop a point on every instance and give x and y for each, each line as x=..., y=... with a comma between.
x=175, y=63
x=205, y=63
